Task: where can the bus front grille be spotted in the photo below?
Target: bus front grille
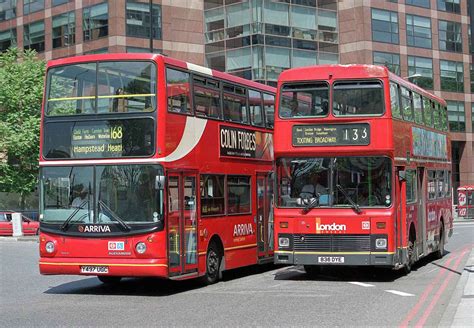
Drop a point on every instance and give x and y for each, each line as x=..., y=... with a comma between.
x=331, y=243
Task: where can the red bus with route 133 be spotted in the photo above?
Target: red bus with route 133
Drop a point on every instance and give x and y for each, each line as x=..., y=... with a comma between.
x=362, y=169
x=151, y=166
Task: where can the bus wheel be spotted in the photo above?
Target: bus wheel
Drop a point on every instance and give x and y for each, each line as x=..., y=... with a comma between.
x=440, y=252
x=213, y=264
x=313, y=270
x=411, y=256
x=109, y=280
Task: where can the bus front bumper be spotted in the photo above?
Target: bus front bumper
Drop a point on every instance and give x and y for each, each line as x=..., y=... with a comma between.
x=104, y=266
x=384, y=259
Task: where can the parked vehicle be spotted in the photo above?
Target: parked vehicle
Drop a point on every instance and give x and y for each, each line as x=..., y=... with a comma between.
x=30, y=227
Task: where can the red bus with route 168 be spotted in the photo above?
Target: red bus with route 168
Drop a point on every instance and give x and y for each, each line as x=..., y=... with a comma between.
x=362, y=169
x=152, y=166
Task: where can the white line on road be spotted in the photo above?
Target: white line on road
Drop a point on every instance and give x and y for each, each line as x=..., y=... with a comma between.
x=396, y=292
x=361, y=284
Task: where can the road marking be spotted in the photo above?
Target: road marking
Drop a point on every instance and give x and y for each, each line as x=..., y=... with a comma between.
x=434, y=283
x=396, y=292
x=361, y=284
x=440, y=291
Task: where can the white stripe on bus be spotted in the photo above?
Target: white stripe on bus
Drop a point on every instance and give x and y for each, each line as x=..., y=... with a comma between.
x=199, y=69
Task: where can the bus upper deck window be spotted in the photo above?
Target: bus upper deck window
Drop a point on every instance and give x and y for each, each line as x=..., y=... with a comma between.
x=358, y=98
x=304, y=100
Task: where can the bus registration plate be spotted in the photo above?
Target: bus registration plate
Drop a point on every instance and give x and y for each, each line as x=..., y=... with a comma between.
x=94, y=269
x=330, y=259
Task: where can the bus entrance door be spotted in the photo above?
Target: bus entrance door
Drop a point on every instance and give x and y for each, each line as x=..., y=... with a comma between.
x=264, y=209
x=182, y=224
x=421, y=211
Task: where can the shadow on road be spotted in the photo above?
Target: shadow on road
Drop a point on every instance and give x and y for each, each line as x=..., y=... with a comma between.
x=350, y=273
x=148, y=286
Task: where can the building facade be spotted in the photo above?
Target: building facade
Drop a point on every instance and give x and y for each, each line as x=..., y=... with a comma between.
x=429, y=41
x=61, y=28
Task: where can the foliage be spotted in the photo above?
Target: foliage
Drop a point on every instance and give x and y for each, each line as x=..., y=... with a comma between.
x=21, y=89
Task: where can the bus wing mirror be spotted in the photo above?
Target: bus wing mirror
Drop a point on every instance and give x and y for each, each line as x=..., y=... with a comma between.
x=160, y=182
x=402, y=175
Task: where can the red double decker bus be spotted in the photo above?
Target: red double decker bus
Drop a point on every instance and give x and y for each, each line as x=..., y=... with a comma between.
x=362, y=168
x=151, y=166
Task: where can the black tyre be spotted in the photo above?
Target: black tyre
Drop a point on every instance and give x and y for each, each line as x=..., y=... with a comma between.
x=440, y=252
x=411, y=256
x=109, y=280
x=213, y=264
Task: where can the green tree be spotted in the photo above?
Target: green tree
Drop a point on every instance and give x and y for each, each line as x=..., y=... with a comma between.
x=21, y=89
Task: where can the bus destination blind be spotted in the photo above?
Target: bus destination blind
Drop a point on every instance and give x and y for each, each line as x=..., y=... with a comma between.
x=331, y=134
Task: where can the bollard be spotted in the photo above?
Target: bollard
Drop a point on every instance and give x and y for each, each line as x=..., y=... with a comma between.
x=17, y=225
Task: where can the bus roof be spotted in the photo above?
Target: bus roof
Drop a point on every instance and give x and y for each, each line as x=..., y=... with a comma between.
x=352, y=71
x=157, y=57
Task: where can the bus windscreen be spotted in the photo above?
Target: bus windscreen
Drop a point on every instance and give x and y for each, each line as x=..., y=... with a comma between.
x=104, y=87
x=334, y=182
x=101, y=194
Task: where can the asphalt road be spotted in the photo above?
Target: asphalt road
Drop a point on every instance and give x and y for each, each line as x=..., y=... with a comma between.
x=263, y=296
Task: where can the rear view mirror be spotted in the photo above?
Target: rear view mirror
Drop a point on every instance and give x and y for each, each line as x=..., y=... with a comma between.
x=160, y=182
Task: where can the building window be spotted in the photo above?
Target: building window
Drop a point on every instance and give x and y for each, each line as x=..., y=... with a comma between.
x=456, y=117
x=424, y=67
x=452, y=76
x=95, y=22
x=58, y=2
x=472, y=78
x=418, y=3
x=97, y=51
x=7, y=9
x=138, y=20
x=452, y=6
x=7, y=39
x=31, y=6
x=472, y=117
x=391, y=61
x=64, y=30
x=33, y=36
x=385, y=26
x=142, y=50
x=450, y=37
x=418, y=31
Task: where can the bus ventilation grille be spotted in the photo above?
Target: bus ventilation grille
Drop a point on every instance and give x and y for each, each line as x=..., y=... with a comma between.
x=332, y=243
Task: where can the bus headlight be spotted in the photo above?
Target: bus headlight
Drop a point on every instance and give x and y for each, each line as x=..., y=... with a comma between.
x=140, y=248
x=381, y=243
x=284, y=242
x=50, y=247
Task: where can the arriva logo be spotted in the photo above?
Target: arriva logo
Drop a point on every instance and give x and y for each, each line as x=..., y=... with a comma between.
x=330, y=227
x=92, y=228
x=244, y=229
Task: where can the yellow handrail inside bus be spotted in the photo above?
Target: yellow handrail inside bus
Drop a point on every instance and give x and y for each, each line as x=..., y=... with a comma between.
x=104, y=97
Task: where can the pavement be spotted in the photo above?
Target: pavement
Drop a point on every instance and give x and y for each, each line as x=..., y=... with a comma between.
x=459, y=312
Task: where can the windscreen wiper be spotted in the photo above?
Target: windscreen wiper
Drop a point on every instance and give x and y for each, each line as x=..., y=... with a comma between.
x=115, y=216
x=354, y=205
x=69, y=219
